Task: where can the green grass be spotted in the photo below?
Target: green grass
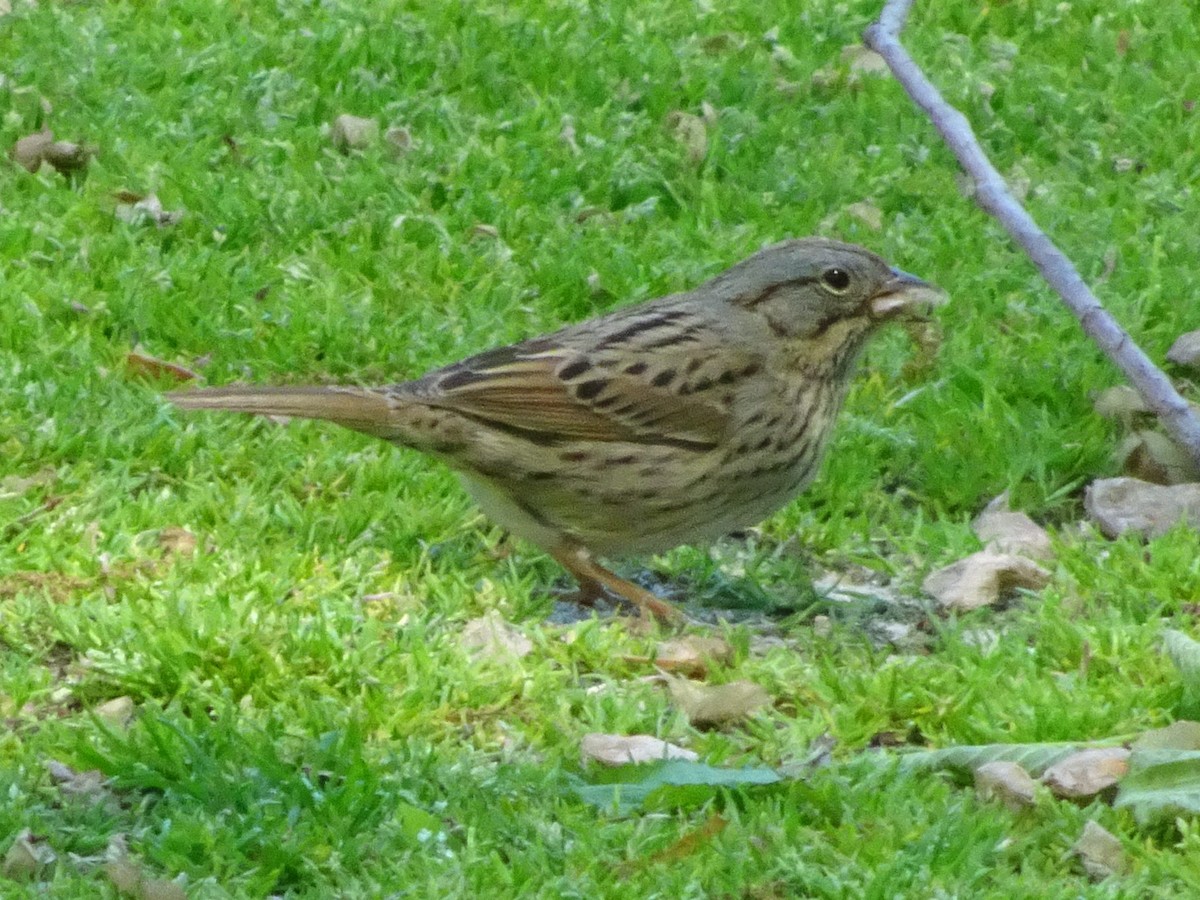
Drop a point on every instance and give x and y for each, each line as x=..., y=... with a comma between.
x=294, y=736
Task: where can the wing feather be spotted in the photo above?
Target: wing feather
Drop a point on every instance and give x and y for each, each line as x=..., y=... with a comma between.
x=572, y=389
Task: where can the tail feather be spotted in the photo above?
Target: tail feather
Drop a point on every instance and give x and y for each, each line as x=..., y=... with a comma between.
x=360, y=409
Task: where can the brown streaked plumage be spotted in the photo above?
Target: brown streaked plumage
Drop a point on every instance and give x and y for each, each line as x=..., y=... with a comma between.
x=674, y=421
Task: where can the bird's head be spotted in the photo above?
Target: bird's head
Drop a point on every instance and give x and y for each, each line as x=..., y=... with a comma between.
x=822, y=299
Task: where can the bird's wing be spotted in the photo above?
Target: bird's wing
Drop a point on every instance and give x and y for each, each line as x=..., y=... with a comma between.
x=605, y=386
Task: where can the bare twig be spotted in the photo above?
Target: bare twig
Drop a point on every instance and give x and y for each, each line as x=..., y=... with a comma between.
x=993, y=196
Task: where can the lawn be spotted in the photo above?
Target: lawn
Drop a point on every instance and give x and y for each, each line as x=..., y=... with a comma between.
x=254, y=632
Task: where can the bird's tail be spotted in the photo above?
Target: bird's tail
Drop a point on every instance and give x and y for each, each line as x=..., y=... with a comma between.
x=360, y=409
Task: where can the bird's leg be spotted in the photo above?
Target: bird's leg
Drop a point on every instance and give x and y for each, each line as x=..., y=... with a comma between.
x=593, y=578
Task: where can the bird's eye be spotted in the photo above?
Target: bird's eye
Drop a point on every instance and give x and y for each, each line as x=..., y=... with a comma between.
x=837, y=280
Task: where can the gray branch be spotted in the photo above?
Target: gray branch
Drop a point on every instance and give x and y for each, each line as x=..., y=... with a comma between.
x=993, y=196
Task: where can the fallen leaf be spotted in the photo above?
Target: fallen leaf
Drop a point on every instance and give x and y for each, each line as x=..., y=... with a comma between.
x=867, y=213
x=1120, y=505
x=136, y=209
x=1186, y=350
x=689, y=655
x=1005, y=531
x=982, y=579
x=1121, y=403
x=864, y=60
x=1181, y=735
x=619, y=749
x=1100, y=852
x=491, y=638
x=176, y=541
x=27, y=856
x=1006, y=782
x=692, y=133
x=674, y=784
x=690, y=842
x=138, y=362
x=131, y=878
x=89, y=785
x=1152, y=456
x=29, y=151
x=1087, y=773
x=117, y=711
x=353, y=132
x=67, y=156
x=720, y=704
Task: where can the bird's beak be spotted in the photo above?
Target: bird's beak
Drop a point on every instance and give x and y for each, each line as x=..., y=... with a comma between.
x=906, y=295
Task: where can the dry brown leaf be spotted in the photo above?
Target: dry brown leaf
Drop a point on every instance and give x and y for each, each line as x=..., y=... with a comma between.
x=1006, y=782
x=1119, y=505
x=29, y=151
x=1152, y=456
x=138, y=362
x=132, y=879
x=482, y=230
x=717, y=704
x=27, y=856
x=689, y=655
x=1186, y=350
x=490, y=638
x=692, y=133
x=982, y=579
x=1005, y=531
x=353, y=132
x=867, y=213
x=864, y=60
x=1087, y=773
x=117, y=711
x=1120, y=402
x=176, y=541
x=89, y=785
x=690, y=842
x=692, y=654
x=621, y=749
x=67, y=156
x=1100, y=852
x=1181, y=735
x=145, y=209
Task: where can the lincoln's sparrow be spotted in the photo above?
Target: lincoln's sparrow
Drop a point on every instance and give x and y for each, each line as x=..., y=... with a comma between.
x=674, y=421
